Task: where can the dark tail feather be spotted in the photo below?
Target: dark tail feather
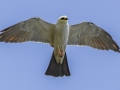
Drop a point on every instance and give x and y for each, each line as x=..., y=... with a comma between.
x=55, y=69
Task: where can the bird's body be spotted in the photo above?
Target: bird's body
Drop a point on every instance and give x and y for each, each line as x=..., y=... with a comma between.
x=59, y=35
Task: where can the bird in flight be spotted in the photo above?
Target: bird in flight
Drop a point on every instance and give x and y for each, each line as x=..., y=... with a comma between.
x=59, y=35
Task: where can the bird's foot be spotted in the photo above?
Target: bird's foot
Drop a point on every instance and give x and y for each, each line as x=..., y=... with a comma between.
x=61, y=53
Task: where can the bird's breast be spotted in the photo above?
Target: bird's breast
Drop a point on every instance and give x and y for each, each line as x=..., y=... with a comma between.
x=61, y=34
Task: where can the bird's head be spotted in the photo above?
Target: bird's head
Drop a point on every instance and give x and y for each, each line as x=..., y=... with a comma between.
x=62, y=19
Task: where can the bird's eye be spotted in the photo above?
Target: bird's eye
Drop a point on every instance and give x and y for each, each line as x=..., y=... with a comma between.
x=62, y=18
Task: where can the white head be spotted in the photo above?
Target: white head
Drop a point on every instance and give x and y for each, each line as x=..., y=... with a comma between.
x=62, y=19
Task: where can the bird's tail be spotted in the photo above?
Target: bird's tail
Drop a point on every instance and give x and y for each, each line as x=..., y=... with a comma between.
x=56, y=70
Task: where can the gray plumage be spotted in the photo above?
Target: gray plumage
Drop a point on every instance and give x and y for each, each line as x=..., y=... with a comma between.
x=59, y=35
x=89, y=34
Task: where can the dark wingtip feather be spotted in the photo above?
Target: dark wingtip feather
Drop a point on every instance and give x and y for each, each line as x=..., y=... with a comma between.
x=118, y=49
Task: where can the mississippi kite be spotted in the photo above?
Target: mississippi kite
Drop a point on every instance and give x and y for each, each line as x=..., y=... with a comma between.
x=59, y=35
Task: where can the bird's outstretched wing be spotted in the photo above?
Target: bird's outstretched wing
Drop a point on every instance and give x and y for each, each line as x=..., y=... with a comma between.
x=89, y=34
x=34, y=29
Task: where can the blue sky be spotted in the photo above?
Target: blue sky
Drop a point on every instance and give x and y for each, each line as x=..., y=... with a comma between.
x=22, y=65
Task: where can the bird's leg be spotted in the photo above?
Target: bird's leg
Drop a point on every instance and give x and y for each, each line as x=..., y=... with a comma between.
x=60, y=52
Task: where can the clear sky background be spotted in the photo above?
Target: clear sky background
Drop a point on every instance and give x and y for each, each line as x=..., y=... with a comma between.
x=22, y=65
